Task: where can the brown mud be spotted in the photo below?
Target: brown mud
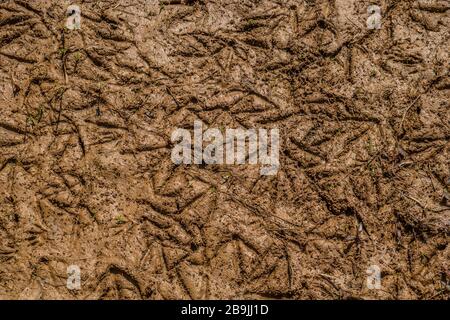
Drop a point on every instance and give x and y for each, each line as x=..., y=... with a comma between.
x=86, y=176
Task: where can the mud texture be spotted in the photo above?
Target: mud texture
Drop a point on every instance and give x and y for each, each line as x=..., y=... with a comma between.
x=86, y=176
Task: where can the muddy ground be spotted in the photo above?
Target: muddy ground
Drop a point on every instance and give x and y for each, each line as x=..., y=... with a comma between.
x=86, y=176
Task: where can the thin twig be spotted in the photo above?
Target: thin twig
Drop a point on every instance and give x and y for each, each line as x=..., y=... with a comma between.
x=407, y=109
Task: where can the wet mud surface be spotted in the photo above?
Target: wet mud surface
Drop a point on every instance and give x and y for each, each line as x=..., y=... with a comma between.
x=86, y=176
